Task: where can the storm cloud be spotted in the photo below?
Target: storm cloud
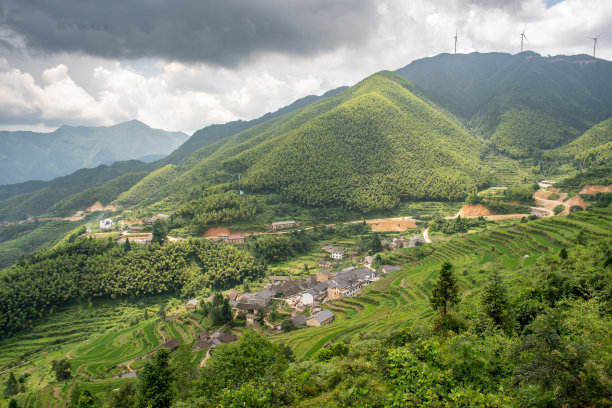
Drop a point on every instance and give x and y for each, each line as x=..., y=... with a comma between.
x=217, y=32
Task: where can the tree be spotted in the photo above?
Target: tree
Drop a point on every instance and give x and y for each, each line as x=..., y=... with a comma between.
x=127, y=246
x=495, y=300
x=13, y=403
x=161, y=312
x=184, y=369
x=62, y=369
x=287, y=325
x=445, y=292
x=155, y=384
x=87, y=400
x=124, y=396
x=12, y=387
x=159, y=232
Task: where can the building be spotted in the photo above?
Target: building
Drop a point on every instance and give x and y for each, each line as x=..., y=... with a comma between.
x=246, y=308
x=209, y=341
x=416, y=241
x=283, y=225
x=263, y=297
x=309, y=296
x=322, y=318
x=235, y=239
x=349, y=283
x=324, y=275
x=171, y=345
x=368, y=260
x=275, y=279
x=106, y=224
x=151, y=221
x=338, y=253
x=251, y=319
x=300, y=320
x=192, y=304
x=326, y=264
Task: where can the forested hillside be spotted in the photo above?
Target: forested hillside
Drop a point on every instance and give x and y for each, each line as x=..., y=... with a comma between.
x=365, y=149
x=522, y=102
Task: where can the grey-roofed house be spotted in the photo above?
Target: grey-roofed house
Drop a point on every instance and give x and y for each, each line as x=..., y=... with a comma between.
x=300, y=320
x=349, y=283
x=321, y=319
x=263, y=297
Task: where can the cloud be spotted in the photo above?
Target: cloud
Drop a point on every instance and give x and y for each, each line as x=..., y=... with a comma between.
x=223, y=33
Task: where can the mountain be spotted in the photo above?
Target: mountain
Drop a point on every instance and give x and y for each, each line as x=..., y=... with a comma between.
x=592, y=148
x=520, y=103
x=364, y=148
x=44, y=156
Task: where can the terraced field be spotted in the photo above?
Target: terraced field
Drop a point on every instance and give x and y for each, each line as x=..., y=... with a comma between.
x=402, y=298
x=507, y=171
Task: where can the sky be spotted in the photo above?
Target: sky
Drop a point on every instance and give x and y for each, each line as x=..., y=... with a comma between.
x=181, y=65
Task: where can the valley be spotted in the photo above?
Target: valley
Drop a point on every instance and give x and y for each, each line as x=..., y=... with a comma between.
x=308, y=249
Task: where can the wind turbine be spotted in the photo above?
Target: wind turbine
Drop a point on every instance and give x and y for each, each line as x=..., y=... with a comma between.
x=455, y=37
x=523, y=37
x=594, y=43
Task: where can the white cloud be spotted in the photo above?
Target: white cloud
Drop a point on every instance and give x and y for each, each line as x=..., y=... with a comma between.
x=49, y=91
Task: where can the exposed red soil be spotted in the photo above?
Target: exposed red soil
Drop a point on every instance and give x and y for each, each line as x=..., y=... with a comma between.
x=98, y=206
x=595, y=189
x=475, y=211
x=215, y=231
x=391, y=224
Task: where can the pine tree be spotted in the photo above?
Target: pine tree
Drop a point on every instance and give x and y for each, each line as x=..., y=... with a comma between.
x=12, y=387
x=155, y=385
x=127, y=246
x=445, y=292
x=495, y=300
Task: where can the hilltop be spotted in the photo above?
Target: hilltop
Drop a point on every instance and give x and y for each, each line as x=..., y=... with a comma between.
x=44, y=156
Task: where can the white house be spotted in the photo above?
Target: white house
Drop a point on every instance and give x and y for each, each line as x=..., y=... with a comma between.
x=338, y=253
x=106, y=224
x=308, y=296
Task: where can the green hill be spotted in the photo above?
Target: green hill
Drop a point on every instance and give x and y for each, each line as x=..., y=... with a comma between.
x=366, y=148
x=523, y=102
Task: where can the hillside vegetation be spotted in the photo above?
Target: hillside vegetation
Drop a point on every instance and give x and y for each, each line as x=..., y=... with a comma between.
x=524, y=102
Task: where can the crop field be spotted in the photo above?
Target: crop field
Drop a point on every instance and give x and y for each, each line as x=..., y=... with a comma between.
x=508, y=171
x=100, y=341
x=402, y=298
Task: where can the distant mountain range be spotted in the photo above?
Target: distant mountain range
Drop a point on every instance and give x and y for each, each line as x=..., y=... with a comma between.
x=43, y=156
x=386, y=139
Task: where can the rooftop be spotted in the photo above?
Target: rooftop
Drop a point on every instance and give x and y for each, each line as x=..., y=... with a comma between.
x=323, y=315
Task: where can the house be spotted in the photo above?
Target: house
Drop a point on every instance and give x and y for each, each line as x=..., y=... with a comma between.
x=106, y=224
x=151, y=221
x=275, y=279
x=326, y=264
x=288, y=288
x=349, y=283
x=283, y=225
x=251, y=319
x=235, y=239
x=171, y=345
x=322, y=318
x=368, y=260
x=391, y=268
x=300, y=320
x=416, y=241
x=209, y=341
x=324, y=275
x=245, y=308
x=192, y=304
x=309, y=296
x=263, y=297
x=328, y=248
x=231, y=295
x=338, y=253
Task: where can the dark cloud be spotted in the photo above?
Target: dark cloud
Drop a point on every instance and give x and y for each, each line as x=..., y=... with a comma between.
x=221, y=32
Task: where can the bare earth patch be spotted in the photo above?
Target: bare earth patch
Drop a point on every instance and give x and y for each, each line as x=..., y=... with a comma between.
x=475, y=211
x=595, y=189
x=392, y=224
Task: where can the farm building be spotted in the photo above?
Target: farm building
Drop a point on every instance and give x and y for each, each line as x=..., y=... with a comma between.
x=326, y=264
x=151, y=221
x=235, y=239
x=171, y=345
x=283, y=225
x=338, y=253
x=263, y=297
x=245, y=308
x=416, y=241
x=324, y=275
x=192, y=304
x=251, y=319
x=349, y=283
x=275, y=279
x=300, y=320
x=209, y=341
x=322, y=318
x=106, y=224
